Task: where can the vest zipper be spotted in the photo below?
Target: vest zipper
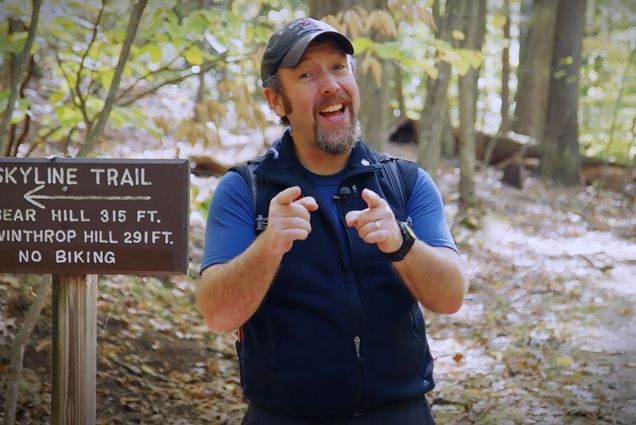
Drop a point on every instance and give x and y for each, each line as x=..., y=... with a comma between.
x=416, y=332
x=353, y=300
x=356, y=344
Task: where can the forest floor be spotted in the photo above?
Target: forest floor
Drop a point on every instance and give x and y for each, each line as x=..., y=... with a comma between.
x=547, y=333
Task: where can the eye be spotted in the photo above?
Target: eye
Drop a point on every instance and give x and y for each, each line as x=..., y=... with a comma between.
x=340, y=67
x=305, y=76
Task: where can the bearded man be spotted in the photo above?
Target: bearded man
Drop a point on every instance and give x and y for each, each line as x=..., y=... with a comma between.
x=326, y=295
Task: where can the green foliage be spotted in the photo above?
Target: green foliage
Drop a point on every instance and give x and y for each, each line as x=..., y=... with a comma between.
x=78, y=45
x=608, y=86
x=75, y=58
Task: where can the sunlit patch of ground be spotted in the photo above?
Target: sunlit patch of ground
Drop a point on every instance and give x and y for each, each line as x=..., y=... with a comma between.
x=548, y=331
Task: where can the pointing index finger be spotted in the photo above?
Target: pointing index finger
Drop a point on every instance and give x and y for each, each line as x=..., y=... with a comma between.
x=372, y=199
x=287, y=196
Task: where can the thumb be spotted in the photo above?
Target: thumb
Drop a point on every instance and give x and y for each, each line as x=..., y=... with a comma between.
x=308, y=202
x=352, y=218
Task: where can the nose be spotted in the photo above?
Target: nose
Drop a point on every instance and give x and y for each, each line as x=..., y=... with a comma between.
x=328, y=84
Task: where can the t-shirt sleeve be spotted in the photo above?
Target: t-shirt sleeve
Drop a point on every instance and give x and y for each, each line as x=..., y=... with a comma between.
x=426, y=209
x=230, y=224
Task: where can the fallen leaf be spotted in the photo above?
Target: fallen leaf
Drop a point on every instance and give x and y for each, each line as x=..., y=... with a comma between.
x=43, y=344
x=564, y=361
x=458, y=357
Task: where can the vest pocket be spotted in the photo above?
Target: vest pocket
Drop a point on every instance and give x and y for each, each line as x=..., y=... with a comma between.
x=421, y=342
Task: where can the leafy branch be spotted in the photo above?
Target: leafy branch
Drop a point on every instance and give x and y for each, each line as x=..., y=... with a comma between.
x=17, y=68
x=131, y=31
x=78, y=78
x=203, y=68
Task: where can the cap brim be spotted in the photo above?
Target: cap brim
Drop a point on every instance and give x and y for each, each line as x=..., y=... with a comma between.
x=293, y=55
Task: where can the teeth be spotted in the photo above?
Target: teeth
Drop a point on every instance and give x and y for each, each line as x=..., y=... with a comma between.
x=333, y=108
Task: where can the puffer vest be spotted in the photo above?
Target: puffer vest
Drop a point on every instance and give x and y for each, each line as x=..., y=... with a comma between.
x=338, y=332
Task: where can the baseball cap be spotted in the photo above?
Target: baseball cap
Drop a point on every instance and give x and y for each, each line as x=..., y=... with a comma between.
x=286, y=46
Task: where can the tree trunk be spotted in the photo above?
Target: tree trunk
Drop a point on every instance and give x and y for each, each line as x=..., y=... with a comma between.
x=475, y=20
x=525, y=10
x=320, y=8
x=375, y=109
x=505, y=73
x=399, y=90
x=561, y=158
x=19, y=345
x=534, y=71
x=448, y=138
x=432, y=118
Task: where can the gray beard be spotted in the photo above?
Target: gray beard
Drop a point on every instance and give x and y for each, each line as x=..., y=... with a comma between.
x=340, y=141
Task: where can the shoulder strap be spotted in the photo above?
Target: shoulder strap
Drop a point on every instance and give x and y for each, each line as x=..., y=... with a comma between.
x=246, y=170
x=256, y=185
x=401, y=175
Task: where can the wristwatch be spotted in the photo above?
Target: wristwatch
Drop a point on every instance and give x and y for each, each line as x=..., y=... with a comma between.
x=408, y=239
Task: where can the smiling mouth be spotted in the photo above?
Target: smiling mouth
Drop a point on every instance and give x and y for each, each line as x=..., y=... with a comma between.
x=333, y=110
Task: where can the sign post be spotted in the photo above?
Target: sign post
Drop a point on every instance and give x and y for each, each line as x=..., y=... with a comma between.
x=74, y=349
x=76, y=218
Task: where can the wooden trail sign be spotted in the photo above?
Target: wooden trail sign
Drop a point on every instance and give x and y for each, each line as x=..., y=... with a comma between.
x=76, y=218
x=96, y=216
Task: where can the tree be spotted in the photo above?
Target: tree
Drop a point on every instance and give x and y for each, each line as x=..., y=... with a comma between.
x=76, y=67
x=561, y=157
x=474, y=22
x=131, y=33
x=433, y=116
x=534, y=70
x=505, y=73
x=43, y=292
x=375, y=87
x=17, y=68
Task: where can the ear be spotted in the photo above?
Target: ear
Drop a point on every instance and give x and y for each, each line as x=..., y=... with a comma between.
x=274, y=100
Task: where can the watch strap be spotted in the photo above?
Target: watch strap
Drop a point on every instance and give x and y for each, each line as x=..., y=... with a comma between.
x=408, y=239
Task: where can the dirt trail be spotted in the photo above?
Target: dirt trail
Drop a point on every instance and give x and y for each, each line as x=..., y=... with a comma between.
x=551, y=332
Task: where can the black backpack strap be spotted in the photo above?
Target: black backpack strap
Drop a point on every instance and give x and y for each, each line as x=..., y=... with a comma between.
x=408, y=171
x=257, y=186
x=246, y=170
x=401, y=176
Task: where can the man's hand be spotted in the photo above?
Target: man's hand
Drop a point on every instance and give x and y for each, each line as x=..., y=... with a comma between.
x=376, y=224
x=289, y=219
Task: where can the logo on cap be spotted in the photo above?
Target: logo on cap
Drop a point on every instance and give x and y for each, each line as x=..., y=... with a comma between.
x=303, y=26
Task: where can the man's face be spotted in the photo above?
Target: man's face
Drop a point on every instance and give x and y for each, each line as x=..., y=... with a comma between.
x=320, y=98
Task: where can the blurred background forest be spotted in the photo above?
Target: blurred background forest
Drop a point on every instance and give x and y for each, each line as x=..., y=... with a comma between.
x=525, y=92
x=558, y=72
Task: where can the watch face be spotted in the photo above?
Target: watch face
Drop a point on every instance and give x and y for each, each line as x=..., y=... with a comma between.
x=408, y=230
x=408, y=239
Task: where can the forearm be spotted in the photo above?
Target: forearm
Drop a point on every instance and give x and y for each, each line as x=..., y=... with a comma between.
x=434, y=276
x=228, y=294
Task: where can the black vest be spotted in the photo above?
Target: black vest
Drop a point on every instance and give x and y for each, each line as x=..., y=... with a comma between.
x=338, y=332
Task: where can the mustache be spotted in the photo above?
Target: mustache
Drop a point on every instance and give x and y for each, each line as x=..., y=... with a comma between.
x=338, y=98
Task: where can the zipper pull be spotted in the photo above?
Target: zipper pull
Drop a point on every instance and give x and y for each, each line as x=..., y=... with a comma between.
x=355, y=194
x=356, y=343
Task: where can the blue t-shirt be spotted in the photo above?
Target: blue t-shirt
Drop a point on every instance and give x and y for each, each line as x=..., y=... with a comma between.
x=230, y=226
